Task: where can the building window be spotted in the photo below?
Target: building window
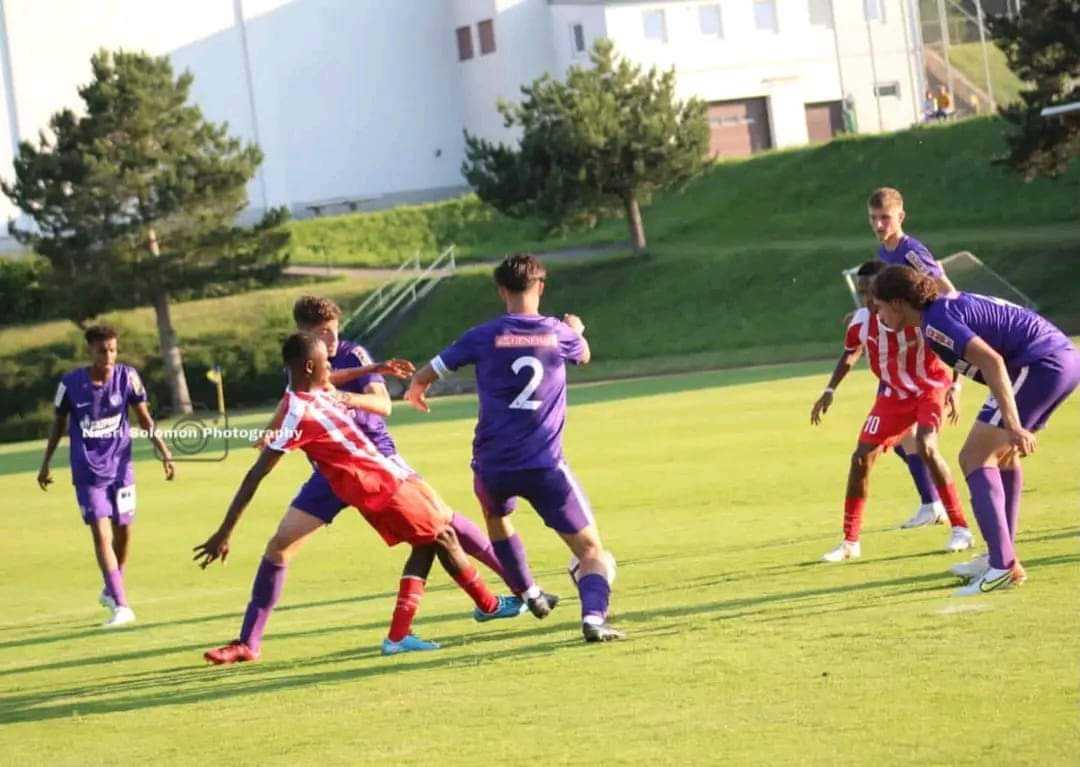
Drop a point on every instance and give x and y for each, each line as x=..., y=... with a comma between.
x=710, y=21
x=655, y=26
x=577, y=38
x=765, y=16
x=887, y=89
x=464, y=43
x=874, y=10
x=821, y=13
x=486, y=31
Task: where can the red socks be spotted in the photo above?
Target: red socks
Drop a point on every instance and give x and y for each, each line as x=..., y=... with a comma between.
x=408, y=602
x=473, y=585
x=853, y=511
x=951, y=501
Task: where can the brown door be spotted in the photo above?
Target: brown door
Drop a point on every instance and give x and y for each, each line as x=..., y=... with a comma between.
x=824, y=120
x=739, y=127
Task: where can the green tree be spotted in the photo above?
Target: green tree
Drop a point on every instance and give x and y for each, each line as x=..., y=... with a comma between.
x=1043, y=48
x=136, y=200
x=601, y=142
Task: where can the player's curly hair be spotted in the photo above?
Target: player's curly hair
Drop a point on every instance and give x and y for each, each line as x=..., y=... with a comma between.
x=314, y=310
x=97, y=333
x=905, y=284
x=298, y=348
x=519, y=271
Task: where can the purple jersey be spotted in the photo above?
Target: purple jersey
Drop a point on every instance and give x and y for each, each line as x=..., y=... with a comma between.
x=911, y=252
x=350, y=355
x=1019, y=335
x=98, y=426
x=521, y=381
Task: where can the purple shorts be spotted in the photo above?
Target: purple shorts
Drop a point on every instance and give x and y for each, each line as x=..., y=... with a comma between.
x=1039, y=389
x=554, y=493
x=317, y=498
x=115, y=502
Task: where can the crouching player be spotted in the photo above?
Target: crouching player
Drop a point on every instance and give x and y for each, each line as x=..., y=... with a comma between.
x=520, y=359
x=97, y=399
x=914, y=389
x=399, y=506
x=1030, y=367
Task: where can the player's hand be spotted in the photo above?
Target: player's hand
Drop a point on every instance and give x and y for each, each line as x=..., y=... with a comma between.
x=417, y=397
x=575, y=323
x=263, y=441
x=1023, y=440
x=821, y=407
x=216, y=547
x=397, y=368
x=169, y=467
x=44, y=478
x=952, y=405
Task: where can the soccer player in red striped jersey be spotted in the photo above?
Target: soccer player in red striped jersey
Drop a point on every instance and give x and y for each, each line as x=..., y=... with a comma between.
x=914, y=390
x=393, y=500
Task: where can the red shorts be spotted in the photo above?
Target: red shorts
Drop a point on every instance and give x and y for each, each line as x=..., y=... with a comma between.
x=891, y=417
x=414, y=514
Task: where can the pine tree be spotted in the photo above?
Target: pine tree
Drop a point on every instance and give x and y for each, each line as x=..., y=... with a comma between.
x=136, y=200
x=1042, y=46
x=601, y=142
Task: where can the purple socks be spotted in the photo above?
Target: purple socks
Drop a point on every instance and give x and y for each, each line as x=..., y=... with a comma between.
x=477, y=545
x=265, y=592
x=1012, y=480
x=511, y=554
x=920, y=474
x=594, y=591
x=114, y=585
x=988, y=503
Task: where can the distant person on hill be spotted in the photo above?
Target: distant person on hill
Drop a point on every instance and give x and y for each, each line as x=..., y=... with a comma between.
x=930, y=106
x=943, y=100
x=97, y=399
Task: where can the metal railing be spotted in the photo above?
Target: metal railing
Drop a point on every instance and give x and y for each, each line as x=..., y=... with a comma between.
x=409, y=284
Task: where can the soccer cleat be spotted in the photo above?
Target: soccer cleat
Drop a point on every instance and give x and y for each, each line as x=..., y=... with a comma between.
x=928, y=514
x=234, y=652
x=600, y=632
x=846, y=550
x=411, y=643
x=508, y=607
x=121, y=616
x=542, y=605
x=991, y=580
x=973, y=568
x=960, y=539
x=105, y=600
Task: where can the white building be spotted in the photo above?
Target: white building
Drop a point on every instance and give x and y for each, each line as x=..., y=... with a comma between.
x=362, y=99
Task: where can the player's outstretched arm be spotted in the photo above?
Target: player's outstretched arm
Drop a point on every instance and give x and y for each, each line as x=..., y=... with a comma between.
x=59, y=425
x=992, y=366
x=421, y=382
x=843, y=367
x=398, y=368
x=142, y=412
x=273, y=427
x=217, y=545
x=375, y=399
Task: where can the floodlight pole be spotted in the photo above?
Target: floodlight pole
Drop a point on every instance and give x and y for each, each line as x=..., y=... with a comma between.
x=986, y=55
x=943, y=21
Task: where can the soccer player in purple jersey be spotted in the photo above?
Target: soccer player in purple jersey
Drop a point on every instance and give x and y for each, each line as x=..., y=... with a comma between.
x=362, y=388
x=97, y=398
x=1030, y=366
x=520, y=360
x=885, y=209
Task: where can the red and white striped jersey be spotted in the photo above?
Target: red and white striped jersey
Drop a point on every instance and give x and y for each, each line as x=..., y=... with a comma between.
x=900, y=359
x=319, y=426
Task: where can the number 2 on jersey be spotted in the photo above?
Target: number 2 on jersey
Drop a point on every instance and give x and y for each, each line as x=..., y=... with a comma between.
x=522, y=401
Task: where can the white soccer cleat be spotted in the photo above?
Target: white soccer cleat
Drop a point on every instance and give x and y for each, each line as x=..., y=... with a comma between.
x=960, y=539
x=121, y=616
x=846, y=550
x=106, y=601
x=973, y=568
x=928, y=514
x=991, y=580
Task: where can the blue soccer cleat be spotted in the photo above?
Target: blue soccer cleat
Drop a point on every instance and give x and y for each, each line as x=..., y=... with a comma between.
x=508, y=607
x=411, y=643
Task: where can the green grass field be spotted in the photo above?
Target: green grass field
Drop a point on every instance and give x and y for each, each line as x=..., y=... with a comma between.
x=717, y=497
